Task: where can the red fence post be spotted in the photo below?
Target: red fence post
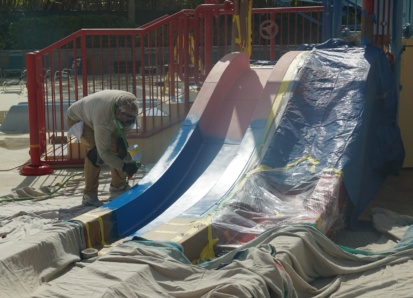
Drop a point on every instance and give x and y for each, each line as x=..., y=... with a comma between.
x=36, y=167
x=367, y=19
x=208, y=43
x=84, y=65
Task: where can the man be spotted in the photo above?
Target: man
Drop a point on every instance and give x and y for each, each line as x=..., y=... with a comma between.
x=106, y=116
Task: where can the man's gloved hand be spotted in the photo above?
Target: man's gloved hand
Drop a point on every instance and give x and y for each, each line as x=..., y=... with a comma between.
x=94, y=157
x=130, y=168
x=121, y=148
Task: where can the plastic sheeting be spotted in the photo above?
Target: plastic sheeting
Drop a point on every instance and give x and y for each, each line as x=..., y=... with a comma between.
x=338, y=136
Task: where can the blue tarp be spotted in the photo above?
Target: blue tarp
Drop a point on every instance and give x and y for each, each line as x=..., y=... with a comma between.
x=340, y=121
x=344, y=114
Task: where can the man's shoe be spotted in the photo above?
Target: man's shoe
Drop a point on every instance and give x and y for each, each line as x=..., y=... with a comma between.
x=118, y=189
x=91, y=200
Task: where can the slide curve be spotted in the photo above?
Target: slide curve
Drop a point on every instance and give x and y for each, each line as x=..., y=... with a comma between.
x=225, y=128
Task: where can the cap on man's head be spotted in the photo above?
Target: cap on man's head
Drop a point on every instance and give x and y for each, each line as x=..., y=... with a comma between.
x=127, y=102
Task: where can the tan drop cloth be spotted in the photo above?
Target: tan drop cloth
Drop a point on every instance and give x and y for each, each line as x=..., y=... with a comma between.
x=41, y=207
x=289, y=261
x=40, y=258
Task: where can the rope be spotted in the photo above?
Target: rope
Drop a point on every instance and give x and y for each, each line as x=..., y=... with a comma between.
x=49, y=194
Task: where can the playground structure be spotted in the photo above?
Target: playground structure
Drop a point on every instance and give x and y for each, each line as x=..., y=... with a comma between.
x=243, y=111
x=164, y=63
x=289, y=163
x=289, y=148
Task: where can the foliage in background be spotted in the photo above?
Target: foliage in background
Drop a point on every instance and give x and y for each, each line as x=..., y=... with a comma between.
x=119, y=5
x=40, y=32
x=62, y=5
x=23, y=24
x=4, y=32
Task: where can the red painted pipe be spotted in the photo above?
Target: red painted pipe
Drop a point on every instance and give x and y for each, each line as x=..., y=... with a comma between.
x=36, y=167
x=368, y=6
x=367, y=14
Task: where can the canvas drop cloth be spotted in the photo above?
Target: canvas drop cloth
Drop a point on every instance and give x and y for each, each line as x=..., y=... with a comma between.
x=285, y=261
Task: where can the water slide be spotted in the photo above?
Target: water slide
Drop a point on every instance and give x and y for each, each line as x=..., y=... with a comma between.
x=313, y=137
x=222, y=136
x=292, y=142
x=262, y=152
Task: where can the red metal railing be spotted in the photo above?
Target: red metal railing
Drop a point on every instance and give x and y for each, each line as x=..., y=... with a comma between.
x=163, y=63
x=379, y=13
x=382, y=26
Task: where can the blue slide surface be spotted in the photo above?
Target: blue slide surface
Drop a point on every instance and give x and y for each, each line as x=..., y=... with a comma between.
x=340, y=114
x=210, y=152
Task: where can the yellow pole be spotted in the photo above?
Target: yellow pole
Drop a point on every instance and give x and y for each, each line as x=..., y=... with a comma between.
x=242, y=27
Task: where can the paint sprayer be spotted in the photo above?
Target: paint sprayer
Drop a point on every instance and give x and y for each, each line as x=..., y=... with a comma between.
x=136, y=156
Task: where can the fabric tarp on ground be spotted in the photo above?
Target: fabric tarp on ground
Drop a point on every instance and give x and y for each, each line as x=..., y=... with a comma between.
x=295, y=260
x=40, y=258
x=28, y=210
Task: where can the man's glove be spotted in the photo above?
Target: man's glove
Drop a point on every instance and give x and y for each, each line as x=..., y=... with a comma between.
x=130, y=168
x=121, y=148
x=94, y=157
